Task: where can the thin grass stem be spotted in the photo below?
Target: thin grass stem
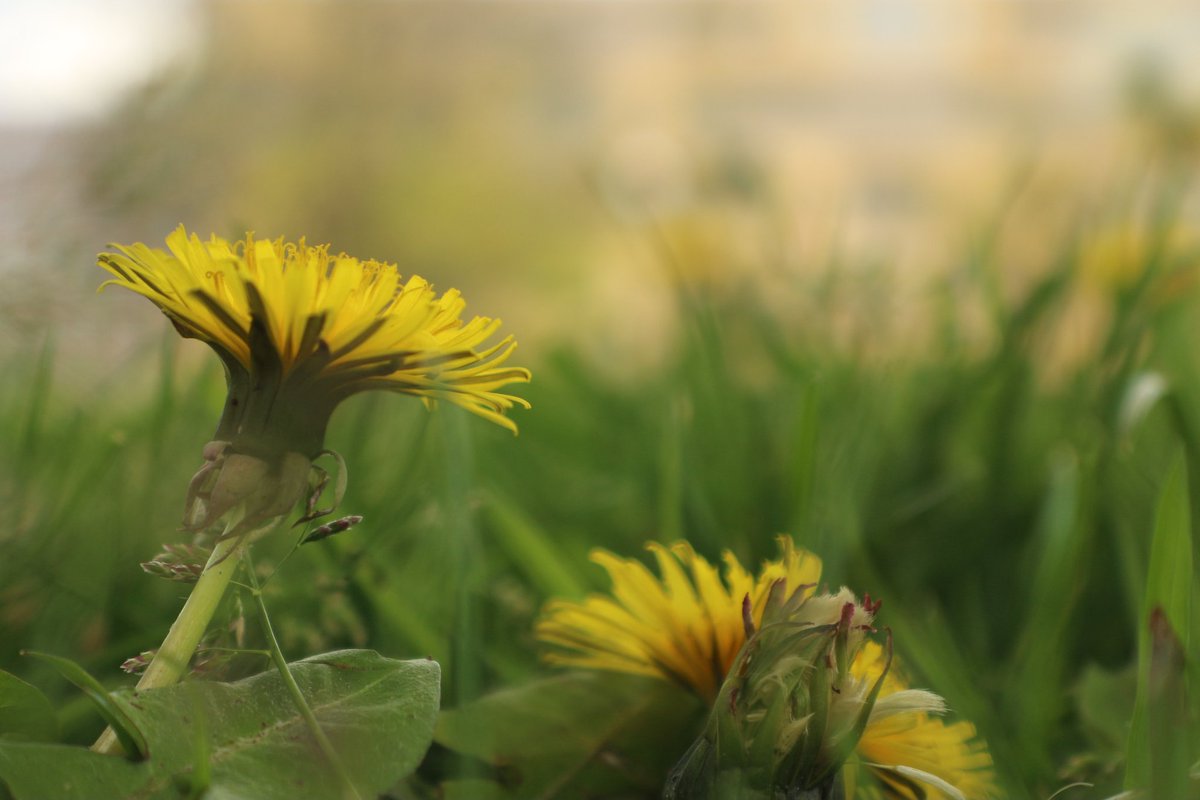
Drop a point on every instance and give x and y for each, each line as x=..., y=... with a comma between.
x=294, y=689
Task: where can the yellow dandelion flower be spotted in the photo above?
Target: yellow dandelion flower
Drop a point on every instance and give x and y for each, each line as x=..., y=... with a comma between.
x=688, y=626
x=683, y=629
x=300, y=329
x=1113, y=259
x=896, y=746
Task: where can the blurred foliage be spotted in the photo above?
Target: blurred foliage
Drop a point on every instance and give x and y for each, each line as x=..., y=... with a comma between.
x=1001, y=503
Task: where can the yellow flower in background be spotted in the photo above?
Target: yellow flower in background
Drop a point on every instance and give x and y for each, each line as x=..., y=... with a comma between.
x=1114, y=258
x=332, y=324
x=688, y=625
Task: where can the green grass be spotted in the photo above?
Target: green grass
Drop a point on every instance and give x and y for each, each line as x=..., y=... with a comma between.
x=1002, y=505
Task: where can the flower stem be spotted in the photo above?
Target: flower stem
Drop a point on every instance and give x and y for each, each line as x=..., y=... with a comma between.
x=176, y=651
x=294, y=690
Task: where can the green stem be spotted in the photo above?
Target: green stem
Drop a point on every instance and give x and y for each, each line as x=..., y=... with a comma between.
x=176, y=651
x=294, y=689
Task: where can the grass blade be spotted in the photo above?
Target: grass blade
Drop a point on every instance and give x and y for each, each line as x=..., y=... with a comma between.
x=130, y=736
x=1168, y=591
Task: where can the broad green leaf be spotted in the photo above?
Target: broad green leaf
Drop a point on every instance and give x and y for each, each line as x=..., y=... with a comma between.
x=576, y=733
x=1169, y=588
x=378, y=713
x=25, y=713
x=130, y=736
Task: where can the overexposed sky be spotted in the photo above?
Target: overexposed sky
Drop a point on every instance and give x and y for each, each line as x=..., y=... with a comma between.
x=63, y=61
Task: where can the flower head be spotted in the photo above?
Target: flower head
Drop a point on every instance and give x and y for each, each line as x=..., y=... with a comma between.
x=298, y=330
x=749, y=643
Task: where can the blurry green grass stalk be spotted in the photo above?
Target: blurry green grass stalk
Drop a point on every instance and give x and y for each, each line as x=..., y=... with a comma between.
x=1160, y=751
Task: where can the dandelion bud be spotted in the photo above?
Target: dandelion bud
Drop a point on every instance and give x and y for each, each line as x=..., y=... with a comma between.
x=790, y=710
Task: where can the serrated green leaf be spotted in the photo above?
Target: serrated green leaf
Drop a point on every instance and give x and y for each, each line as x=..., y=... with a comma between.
x=607, y=732
x=25, y=713
x=379, y=714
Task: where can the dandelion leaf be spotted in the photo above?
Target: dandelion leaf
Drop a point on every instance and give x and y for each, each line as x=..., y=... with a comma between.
x=379, y=714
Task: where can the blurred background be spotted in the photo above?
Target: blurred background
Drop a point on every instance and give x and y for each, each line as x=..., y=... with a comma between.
x=557, y=154
x=915, y=282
